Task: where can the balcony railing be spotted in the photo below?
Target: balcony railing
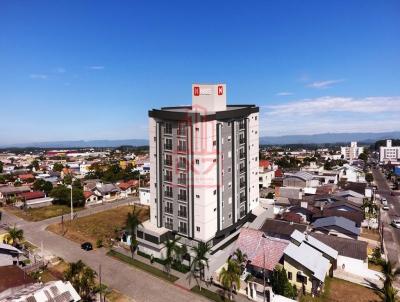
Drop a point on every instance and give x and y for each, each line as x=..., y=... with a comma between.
x=168, y=178
x=168, y=162
x=242, y=184
x=167, y=130
x=182, y=165
x=182, y=230
x=243, y=198
x=182, y=148
x=242, y=169
x=169, y=225
x=182, y=197
x=181, y=181
x=242, y=126
x=182, y=214
x=169, y=210
x=242, y=155
x=181, y=132
x=242, y=141
x=168, y=147
x=242, y=214
x=168, y=194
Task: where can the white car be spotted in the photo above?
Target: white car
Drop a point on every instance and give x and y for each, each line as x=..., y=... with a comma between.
x=396, y=223
x=385, y=207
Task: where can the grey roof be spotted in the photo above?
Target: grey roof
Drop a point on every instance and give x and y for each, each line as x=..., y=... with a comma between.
x=107, y=188
x=341, y=222
x=4, y=246
x=310, y=258
x=315, y=243
x=346, y=247
x=304, y=175
x=13, y=190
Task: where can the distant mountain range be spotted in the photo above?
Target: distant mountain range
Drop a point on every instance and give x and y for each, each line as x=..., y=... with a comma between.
x=81, y=144
x=328, y=138
x=323, y=138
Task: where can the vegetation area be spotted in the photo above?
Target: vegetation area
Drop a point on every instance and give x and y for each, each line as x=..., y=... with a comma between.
x=112, y=173
x=104, y=225
x=38, y=214
x=281, y=285
x=143, y=266
x=218, y=297
x=336, y=290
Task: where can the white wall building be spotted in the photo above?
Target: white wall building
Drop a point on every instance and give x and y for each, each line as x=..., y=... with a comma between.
x=351, y=152
x=204, y=166
x=389, y=153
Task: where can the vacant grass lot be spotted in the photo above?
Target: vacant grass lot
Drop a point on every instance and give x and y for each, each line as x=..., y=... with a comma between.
x=102, y=225
x=337, y=290
x=41, y=213
x=210, y=295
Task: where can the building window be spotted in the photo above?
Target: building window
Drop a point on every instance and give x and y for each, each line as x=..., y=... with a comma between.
x=300, y=278
x=182, y=147
x=169, y=223
x=168, y=144
x=230, y=215
x=215, y=192
x=168, y=175
x=197, y=162
x=197, y=129
x=182, y=163
x=182, y=227
x=168, y=191
x=214, y=143
x=182, y=195
x=289, y=275
x=169, y=208
x=197, y=196
x=168, y=128
x=229, y=138
x=198, y=229
x=168, y=160
x=182, y=179
x=182, y=211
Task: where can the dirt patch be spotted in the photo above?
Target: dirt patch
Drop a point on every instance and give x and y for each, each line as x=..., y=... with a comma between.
x=43, y=213
x=370, y=234
x=103, y=225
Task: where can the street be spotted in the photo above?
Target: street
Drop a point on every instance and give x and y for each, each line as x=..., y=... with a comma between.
x=391, y=235
x=130, y=281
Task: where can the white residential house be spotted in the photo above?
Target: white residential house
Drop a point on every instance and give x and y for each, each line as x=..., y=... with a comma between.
x=9, y=255
x=351, y=173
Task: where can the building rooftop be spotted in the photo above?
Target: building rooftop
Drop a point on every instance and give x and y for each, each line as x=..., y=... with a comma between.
x=341, y=222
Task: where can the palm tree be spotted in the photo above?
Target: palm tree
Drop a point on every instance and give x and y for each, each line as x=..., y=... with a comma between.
x=241, y=259
x=173, y=250
x=230, y=276
x=14, y=235
x=83, y=279
x=388, y=292
x=132, y=223
x=199, y=262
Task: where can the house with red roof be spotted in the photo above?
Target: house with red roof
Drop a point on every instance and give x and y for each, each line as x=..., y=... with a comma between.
x=90, y=198
x=128, y=187
x=29, y=177
x=35, y=199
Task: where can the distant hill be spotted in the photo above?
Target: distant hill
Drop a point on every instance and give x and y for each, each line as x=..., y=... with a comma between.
x=323, y=138
x=326, y=138
x=82, y=144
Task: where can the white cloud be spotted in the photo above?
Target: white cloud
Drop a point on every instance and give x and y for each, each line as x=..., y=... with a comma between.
x=36, y=76
x=331, y=114
x=284, y=93
x=324, y=84
x=96, y=67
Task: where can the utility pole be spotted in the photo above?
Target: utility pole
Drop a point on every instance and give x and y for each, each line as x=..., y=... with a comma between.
x=72, y=206
x=100, y=281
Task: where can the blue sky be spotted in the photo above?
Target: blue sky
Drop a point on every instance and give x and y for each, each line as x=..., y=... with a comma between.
x=92, y=69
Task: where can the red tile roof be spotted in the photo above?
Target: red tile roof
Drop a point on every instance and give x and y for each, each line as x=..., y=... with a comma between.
x=32, y=195
x=278, y=173
x=128, y=184
x=87, y=194
x=292, y=217
x=264, y=163
x=254, y=243
x=26, y=176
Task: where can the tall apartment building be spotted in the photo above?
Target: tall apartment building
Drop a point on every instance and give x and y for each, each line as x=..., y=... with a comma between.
x=389, y=153
x=204, y=167
x=351, y=152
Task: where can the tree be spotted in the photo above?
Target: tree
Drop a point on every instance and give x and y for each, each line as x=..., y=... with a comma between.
x=369, y=177
x=230, y=276
x=200, y=262
x=57, y=167
x=281, y=285
x=172, y=254
x=83, y=279
x=35, y=164
x=62, y=195
x=241, y=259
x=132, y=223
x=363, y=156
x=388, y=292
x=14, y=236
x=42, y=185
x=270, y=195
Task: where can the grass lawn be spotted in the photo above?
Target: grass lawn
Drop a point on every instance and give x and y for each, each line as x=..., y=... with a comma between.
x=43, y=213
x=101, y=225
x=116, y=296
x=209, y=294
x=337, y=290
x=143, y=266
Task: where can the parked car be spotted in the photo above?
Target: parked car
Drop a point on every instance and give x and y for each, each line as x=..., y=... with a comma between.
x=385, y=207
x=384, y=201
x=87, y=246
x=396, y=223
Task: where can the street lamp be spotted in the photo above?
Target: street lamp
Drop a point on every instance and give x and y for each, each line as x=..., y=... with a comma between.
x=72, y=206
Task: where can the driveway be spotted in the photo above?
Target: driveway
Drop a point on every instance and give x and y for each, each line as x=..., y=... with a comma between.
x=134, y=283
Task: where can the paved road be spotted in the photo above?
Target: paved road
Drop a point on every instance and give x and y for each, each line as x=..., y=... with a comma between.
x=134, y=283
x=391, y=235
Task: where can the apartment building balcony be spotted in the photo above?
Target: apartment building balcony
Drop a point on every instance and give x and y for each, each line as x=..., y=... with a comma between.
x=181, y=132
x=168, y=178
x=182, y=197
x=242, y=213
x=182, y=166
x=169, y=225
x=242, y=184
x=242, y=141
x=243, y=199
x=168, y=147
x=182, y=149
x=168, y=163
x=242, y=169
x=181, y=181
x=242, y=126
x=168, y=194
x=182, y=230
x=182, y=214
x=169, y=210
x=242, y=155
